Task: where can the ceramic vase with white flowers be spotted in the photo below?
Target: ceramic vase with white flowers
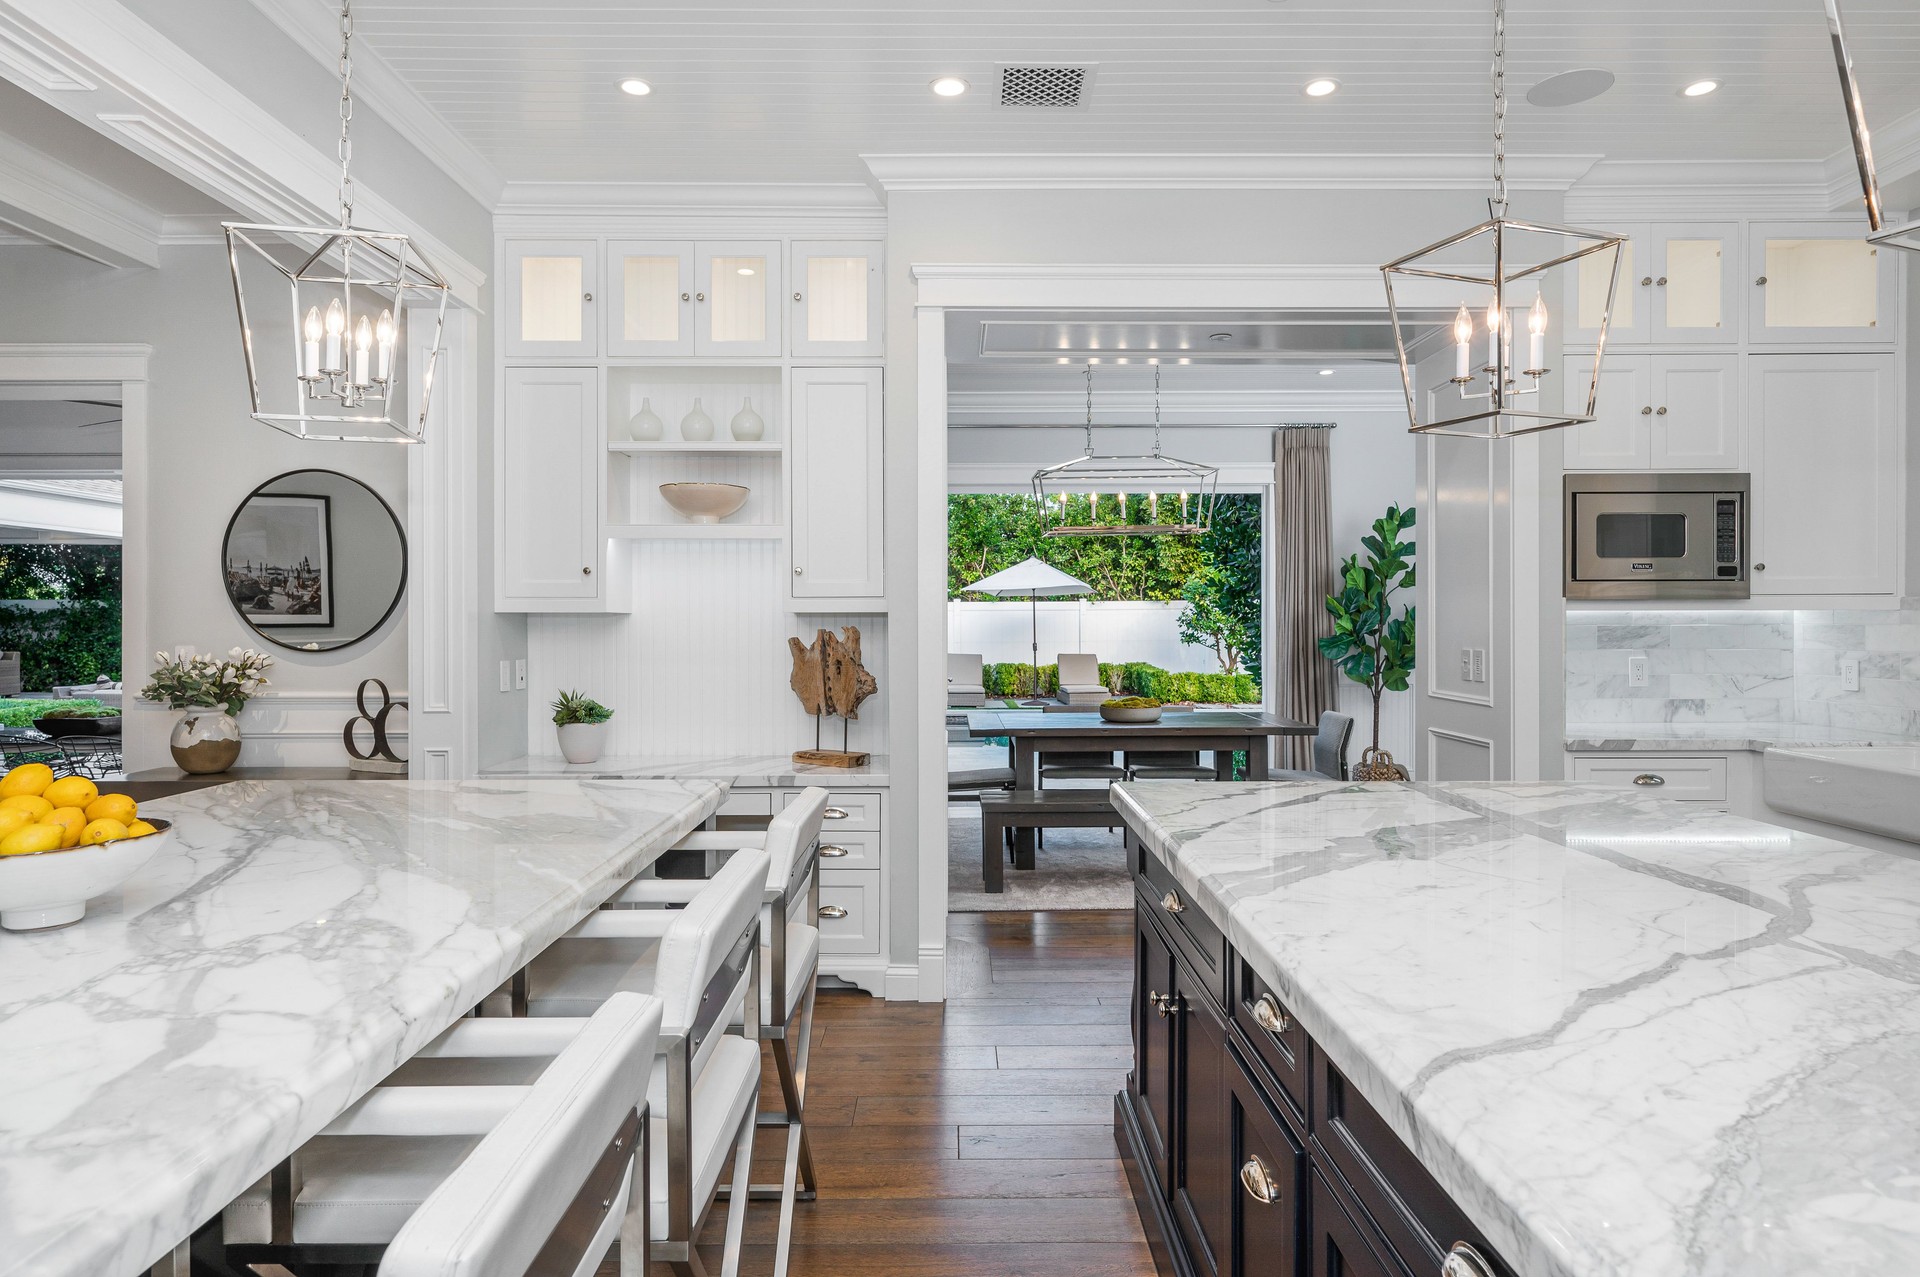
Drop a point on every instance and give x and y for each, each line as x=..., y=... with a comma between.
x=212, y=691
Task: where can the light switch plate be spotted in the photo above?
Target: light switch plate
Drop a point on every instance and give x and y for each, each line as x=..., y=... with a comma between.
x=1850, y=674
x=506, y=676
x=1479, y=664
x=520, y=675
x=1636, y=671
x=1466, y=665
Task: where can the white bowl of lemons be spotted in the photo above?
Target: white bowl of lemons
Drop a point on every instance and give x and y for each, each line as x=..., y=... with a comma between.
x=62, y=842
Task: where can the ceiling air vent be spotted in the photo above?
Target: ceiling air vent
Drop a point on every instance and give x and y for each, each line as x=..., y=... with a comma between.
x=1053, y=88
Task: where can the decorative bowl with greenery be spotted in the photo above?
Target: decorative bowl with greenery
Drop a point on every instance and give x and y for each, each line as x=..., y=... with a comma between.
x=90, y=719
x=1131, y=709
x=581, y=724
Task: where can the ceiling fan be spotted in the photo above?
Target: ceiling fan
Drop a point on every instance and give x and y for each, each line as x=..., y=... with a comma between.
x=114, y=420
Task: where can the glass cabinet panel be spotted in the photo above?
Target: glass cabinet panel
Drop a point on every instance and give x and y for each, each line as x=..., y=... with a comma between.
x=650, y=298
x=1632, y=313
x=1593, y=280
x=739, y=299
x=548, y=287
x=837, y=299
x=1693, y=284
x=1821, y=283
x=736, y=294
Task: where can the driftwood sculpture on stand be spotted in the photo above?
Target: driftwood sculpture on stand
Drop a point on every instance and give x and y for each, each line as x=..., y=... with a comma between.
x=830, y=680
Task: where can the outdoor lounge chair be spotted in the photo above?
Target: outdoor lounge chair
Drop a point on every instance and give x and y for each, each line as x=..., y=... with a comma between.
x=1080, y=679
x=966, y=680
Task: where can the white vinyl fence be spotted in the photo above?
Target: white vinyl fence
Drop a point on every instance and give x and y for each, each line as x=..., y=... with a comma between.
x=1115, y=632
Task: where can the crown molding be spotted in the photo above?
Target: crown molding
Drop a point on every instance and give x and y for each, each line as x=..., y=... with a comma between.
x=315, y=27
x=51, y=202
x=1230, y=172
x=1182, y=408
x=1896, y=154
x=1646, y=189
x=197, y=230
x=689, y=208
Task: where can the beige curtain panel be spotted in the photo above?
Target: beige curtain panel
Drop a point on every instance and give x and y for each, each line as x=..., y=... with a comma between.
x=1303, y=577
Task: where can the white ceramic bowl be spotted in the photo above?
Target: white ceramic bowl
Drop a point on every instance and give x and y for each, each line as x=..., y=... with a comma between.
x=51, y=888
x=1130, y=714
x=704, y=502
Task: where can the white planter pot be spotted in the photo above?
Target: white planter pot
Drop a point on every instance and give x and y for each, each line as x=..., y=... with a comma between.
x=582, y=742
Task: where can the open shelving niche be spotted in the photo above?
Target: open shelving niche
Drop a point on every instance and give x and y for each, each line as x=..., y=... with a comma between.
x=636, y=469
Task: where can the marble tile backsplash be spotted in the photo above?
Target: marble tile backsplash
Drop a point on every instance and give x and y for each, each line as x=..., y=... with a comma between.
x=1747, y=667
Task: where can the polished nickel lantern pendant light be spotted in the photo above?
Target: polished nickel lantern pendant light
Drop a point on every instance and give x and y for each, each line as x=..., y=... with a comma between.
x=1495, y=388
x=1906, y=235
x=334, y=363
x=1103, y=496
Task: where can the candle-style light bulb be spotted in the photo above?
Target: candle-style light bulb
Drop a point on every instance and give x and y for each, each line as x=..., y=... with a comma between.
x=311, y=331
x=1493, y=333
x=385, y=332
x=1537, y=338
x=362, y=344
x=1462, y=343
x=336, y=328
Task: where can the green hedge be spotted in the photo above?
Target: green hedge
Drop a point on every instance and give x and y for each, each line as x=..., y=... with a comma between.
x=1134, y=679
x=74, y=643
x=14, y=713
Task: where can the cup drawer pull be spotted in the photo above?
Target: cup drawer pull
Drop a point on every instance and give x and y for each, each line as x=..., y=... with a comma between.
x=1464, y=1261
x=1649, y=780
x=830, y=852
x=835, y=813
x=1258, y=1181
x=1268, y=1015
x=1171, y=903
x=832, y=911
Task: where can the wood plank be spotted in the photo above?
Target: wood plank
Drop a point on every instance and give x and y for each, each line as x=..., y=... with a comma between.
x=1002, y=1109
x=1002, y=1012
x=1077, y=1259
x=837, y=1222
x=1074, y=1177
x=879, y=1054
x=1068, y=1079
x=1035, y=1142
x=1102, y=1057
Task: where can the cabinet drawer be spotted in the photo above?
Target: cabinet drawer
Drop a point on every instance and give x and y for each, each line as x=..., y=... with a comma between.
x=747, y=802
x=862, y=849
x=1283, y=1050
x=862, y=811
x=1342, y=1245
x=1696, y=779
x=1266, y=1174
x=1198, y=940
x=857, y=929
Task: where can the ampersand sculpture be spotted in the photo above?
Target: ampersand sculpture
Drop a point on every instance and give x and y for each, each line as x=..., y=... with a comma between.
x=380, y=757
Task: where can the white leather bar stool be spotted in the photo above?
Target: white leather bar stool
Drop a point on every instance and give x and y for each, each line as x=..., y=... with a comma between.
x=789, y=968
x=460, y=1181
x=702, y=962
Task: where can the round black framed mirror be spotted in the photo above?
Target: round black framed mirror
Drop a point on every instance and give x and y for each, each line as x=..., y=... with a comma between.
x=314, y=560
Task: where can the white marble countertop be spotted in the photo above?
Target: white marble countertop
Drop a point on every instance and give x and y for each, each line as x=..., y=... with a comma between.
x=752, y=771
x=1627, y=1036
x=294, y=943
x=1669, y=738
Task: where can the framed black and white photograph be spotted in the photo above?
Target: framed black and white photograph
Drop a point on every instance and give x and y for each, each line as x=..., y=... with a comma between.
x=280, y=560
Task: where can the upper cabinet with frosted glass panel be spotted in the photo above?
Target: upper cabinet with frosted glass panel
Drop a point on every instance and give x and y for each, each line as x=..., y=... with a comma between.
x=649, y=290
x=685, y=298
x=1818, y=282
x=547, y=292
x=1679, y=285
x=837, y=298
x=736, y=298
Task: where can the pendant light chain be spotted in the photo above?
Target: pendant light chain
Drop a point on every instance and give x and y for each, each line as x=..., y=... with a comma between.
x=1089, y=407
x=1500, y=106
x=1156, y=409
x=346, y=113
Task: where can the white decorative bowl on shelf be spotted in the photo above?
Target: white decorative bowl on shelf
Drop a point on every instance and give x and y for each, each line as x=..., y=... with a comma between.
x=51, y=888
x=705, y=502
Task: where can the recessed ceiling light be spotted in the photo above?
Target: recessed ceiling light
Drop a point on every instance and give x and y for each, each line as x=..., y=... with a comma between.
x=1320, y=88
x=1219, y=336
x=1326, y=372
x=639, y=88
x=949, y=86
x=745, y=270
x=1700, y=88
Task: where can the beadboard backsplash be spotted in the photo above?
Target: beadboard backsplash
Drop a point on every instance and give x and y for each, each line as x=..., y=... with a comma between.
x=700, y=666
x=1764, y=667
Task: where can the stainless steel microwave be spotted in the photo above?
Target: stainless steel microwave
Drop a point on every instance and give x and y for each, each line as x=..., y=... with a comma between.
x=1656, y=536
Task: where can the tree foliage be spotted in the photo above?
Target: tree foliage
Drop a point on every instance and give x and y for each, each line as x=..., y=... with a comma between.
x=49, y=570
x=76, y=642
x=1372, y=646
x=1208, y=622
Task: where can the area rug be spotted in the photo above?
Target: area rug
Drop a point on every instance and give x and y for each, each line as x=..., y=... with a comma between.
x=1077, y=869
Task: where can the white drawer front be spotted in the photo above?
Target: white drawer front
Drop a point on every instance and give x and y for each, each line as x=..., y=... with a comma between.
x=862, y=849
x=1697, y=779
x=747, y=802
x=862, y=811
x=857, y=893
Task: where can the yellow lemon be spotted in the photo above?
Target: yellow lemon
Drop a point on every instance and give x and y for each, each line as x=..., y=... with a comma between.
x=71, y=821
x=35, y=806
x=71, y=791
x=28, y=778
x=113, y=807
x=29, y=839
x=11, y=818
x=105, y=829
x=140, y=829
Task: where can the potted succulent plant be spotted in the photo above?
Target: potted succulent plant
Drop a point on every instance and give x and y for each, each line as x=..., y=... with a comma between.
x=581, y=723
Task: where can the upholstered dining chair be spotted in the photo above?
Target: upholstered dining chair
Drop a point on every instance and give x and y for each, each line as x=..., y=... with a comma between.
x=465, y=1180
x=1080, y=679
x=1329, y=751
x=966, y=680
x=1167, y=764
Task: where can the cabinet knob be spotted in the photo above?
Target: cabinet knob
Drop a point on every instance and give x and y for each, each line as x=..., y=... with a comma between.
x=586, y=571
x=1258, y=1181
x=796, y=297
x=1762, y=281
x=699, y=297
x=833, y=813
x=1164, y=1003
x=686, y=297
x=830, y=852
x=1662, y=281
x=1268, y=1015
x=1650, y=780
x=1647, y=411
x=796, y=571
x=1464, y=1261
x=832, y=911
x=1646, y=281
x=1661, y=411
x=586, y=297
x=1759, y=567
x=1171, y=903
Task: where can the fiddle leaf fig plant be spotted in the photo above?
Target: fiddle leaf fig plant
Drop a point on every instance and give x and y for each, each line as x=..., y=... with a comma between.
x=1371, y=645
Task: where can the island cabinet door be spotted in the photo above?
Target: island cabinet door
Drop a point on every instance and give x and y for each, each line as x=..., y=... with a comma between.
x=1342, y=1246
x=1153, y=1045
x=1204, y=1166
x=1269, y=1168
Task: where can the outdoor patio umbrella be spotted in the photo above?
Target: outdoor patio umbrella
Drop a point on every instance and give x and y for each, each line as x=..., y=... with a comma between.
x=1033, y=579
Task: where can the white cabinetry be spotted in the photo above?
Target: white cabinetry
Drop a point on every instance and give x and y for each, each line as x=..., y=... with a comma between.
x=549, y=551
x=649, y=294
x=834, y=487
x=1828, y=457
x=736, y=298
x=547, y=297
x=1679, y=283
x=1662, y=412
x=1813, y=282
x=678, y=297
x=838, y=295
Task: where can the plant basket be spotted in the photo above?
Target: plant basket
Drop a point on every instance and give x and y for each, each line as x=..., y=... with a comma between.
x=1376, y=765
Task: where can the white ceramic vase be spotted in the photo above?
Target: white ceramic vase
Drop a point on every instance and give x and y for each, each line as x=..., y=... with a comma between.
x=582, y=742
x=696, y=426
x=205, y=741
x=747, y=425
x=645, y=426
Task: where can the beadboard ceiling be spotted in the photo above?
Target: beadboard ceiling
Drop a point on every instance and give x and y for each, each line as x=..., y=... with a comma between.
x=798, y=90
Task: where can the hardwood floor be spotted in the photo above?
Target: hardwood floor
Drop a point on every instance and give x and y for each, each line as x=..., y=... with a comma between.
x=975, y=1138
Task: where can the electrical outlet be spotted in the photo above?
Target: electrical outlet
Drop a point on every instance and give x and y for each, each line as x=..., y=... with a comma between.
x=1466, y=665
x=1850, y=674
x=1636, y=671
x=520, y=675
x=506, y=676
x=1479, y=664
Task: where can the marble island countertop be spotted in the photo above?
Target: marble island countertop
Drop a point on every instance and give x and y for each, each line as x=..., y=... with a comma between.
x=1627, y=1036
x=1672, y=738
x=752, y=771
x=295, y=942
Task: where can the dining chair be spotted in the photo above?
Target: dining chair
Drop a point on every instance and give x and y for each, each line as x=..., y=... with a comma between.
x=1167, y=764
x=1330, y=741
x=966, y=679
x=1080, y=682
x=466, y=1181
